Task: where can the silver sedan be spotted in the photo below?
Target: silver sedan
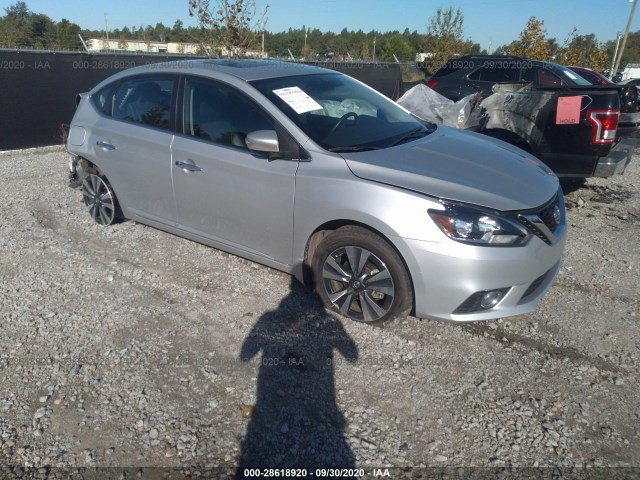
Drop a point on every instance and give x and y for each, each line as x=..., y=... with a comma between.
x=313, y=173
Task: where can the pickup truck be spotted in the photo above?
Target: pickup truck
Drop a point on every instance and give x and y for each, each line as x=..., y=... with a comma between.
x=546, y=109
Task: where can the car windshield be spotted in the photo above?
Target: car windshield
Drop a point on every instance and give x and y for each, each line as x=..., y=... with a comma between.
x=339, y=113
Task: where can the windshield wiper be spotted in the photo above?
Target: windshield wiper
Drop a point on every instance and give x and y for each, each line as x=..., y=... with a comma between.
x=417, y=132
x=354, y=148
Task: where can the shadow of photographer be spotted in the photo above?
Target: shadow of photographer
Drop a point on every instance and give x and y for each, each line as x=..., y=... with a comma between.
x=296, y=422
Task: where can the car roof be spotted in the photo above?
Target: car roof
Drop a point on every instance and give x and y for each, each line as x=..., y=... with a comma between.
x=243, y=69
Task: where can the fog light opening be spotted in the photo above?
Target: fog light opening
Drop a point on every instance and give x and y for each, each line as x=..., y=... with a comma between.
x=491, y=298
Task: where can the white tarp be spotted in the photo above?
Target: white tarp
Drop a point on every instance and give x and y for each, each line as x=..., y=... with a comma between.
x=429, y=105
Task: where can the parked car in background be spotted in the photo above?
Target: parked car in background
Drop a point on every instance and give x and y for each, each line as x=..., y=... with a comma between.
x=311, y=172
x=628, y=92
x=591, y=76
x=546, y=109
x=631, y=70
x=463, y=76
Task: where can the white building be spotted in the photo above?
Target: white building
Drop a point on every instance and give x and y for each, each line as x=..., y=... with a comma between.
x=142, y=46
x=138, y=46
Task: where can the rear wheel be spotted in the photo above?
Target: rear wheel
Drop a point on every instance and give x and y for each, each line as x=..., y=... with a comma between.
x=100, y=199
x=359, y=275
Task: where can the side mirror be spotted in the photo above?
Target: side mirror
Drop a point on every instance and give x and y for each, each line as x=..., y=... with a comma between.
x=263, y=141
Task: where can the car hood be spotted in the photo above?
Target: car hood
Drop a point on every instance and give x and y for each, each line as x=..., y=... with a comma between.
x=460, y=166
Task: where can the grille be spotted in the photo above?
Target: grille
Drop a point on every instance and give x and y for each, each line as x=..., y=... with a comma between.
x=535, y=230
x=546, y=215
x=541, y=221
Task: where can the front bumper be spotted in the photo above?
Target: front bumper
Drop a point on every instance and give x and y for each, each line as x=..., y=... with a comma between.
x=446, y=274
x=617, y=160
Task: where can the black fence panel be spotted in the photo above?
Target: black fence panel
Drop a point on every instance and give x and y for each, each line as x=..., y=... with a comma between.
x=386, y=78
x=38, y=89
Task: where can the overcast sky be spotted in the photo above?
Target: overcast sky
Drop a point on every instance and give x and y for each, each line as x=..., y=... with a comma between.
x=489, y=22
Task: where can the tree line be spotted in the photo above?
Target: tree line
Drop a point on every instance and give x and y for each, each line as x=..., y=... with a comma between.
x=233, y=23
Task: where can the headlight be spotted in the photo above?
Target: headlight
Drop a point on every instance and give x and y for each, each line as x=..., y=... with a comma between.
x=474, y=226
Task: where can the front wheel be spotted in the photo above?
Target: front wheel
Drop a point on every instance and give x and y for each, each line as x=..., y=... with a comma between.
x=359, y=275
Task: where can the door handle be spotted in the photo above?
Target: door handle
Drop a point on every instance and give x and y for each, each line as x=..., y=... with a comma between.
x=188, y=167
x=105, y=145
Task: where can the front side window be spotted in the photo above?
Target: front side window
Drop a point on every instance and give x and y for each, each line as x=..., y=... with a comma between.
x=219, y=113
x=145, y=100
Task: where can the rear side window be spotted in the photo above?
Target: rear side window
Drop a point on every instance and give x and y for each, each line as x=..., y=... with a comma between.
x=590, y=77
x=500, y=72
x=145, y=100
x=103, y=99
x=542, y=77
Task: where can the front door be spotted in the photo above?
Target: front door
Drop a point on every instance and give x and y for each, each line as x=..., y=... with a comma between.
x=225, y=192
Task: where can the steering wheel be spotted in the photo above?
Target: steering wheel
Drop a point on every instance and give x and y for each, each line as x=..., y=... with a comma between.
x=341, y=121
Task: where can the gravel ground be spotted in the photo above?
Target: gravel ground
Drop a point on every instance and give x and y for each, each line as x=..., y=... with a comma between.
x=129, y=347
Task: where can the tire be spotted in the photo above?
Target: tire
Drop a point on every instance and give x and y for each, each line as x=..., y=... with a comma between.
x=378, y=293
x=100, y=200
x=629, y=99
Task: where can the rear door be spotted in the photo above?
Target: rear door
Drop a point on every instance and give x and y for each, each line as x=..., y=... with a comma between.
x=224, y=192
x=132, y=143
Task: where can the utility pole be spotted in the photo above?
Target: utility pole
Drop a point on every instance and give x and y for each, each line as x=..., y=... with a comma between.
x=374, y=49
x=624, y=39
x=106, y=31
x=264, y=22
x=612, y=72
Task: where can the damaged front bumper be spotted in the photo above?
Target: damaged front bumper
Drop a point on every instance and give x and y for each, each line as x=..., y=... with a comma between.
x=75, y=180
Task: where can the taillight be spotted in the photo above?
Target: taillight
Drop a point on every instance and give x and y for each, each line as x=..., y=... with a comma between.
x=603, y=125
x=432, y=83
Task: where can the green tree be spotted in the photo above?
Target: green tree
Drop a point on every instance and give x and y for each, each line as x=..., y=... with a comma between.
x=178, y=33
x=597, y=59
x=631, y=52
x=67, y=35
x=227, y=23
x=583, y=50
x=532, y=42
x=15, y=29
x=444, y=37
x=43, y=31
x=395, y=44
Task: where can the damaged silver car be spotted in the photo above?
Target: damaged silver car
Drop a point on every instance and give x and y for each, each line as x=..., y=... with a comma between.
x=313, y=173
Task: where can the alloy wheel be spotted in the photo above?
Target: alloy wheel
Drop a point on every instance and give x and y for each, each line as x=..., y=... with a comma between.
x=358, y=283
x=99, y=199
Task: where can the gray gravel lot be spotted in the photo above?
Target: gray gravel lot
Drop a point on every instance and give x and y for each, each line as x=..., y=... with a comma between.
x=128, y=347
